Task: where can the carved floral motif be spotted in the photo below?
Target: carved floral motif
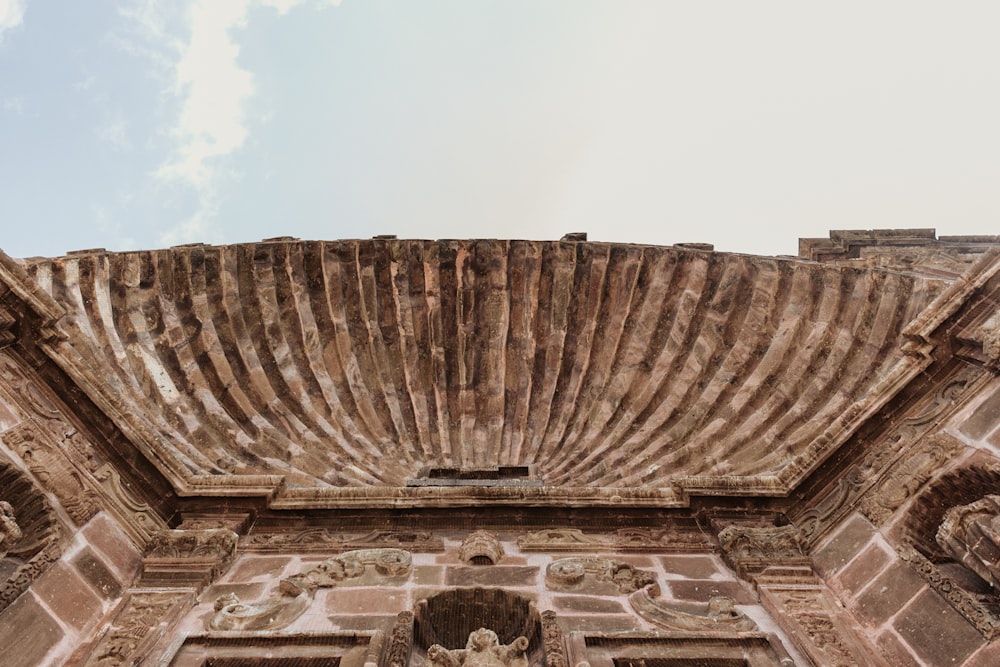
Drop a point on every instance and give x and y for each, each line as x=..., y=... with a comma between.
x=552, y=639
x=623, y=539
x=400, y=641
x=482, y=650
x=569, y=573
x=752, y=547
x=817, y=633
x=322, y=539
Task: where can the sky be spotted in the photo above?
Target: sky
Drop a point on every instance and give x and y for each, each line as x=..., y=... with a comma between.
x=141, y=124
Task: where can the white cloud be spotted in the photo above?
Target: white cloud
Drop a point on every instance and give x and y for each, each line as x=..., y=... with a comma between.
x=11, y=15
x=285, y=6
x=115, y=133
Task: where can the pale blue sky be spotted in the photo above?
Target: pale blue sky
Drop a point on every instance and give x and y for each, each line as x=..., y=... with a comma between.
x=149, y=123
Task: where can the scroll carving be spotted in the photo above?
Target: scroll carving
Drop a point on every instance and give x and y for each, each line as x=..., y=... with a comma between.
x=187, y=557
x=482, y=650
x=481, y=546
x=295, y=594
x=722, y=614
x=321, y=539
x=819, y=636
x=138, y=518
x=907, y=478
x=570, y=574
x=623, y=539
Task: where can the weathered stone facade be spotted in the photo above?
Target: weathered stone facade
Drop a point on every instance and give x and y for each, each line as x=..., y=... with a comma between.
x=502, y=454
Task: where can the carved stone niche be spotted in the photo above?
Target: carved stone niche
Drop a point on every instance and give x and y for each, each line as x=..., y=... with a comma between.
x=481, y=548
x=29, y=533
x=449, y=619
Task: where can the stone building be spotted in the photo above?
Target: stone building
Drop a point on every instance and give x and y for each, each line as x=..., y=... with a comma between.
x=502, y=453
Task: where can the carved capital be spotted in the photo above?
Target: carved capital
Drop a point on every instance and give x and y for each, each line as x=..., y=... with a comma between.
x=750, y=549
x=187, y=557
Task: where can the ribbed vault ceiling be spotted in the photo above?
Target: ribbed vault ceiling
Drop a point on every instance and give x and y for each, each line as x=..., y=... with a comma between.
x=357, y=363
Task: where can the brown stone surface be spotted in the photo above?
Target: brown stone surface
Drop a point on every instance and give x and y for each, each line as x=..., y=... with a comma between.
x=343, y=601
x=363, y=623
x=104, y=534
x=936, y=632
x=428, y=575
x=245, y=592
x=66, y=594
x=887, y=594
x=844, y=545
x=27, y=633
x=897, y=653
x=251, y=567
x=691, y=567
x=700, y=590
x=984, y=420
x=582, y=603
x=496, y=575
x=863, y=569
x=598, y=623
x=96, y=572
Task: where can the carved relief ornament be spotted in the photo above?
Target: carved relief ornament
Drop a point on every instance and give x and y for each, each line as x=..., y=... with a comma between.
x=482, y=650
x=721, y=615
x=570, y=573
x=295, y=594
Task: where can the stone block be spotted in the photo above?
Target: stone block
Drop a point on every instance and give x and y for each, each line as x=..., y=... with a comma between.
x=495, y=575
x=245, y=592
x=887, y=594
x=984, y=419
x=27, y=633
x=598, y=623
x=68, y=596
x=96, y=572
x=428, y=575
x=251, y=567
x=863, y=569
x=691, y=567
x=342, y=601
x=363, y=623
x=844, y=544
x=588, y=604
x=108, y=539
x=988, y=656
x=938, y=634
x=700, y=590
x=895, y=651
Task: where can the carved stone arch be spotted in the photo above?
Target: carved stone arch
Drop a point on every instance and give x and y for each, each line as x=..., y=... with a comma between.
x=448, y=619
x=37, y=543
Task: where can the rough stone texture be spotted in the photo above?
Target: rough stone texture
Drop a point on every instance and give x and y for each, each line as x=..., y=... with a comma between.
x=864, y=568
x=492, y=576
x=593, y=605
x=692, y=567
x=700, y=590
x=603, y=365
